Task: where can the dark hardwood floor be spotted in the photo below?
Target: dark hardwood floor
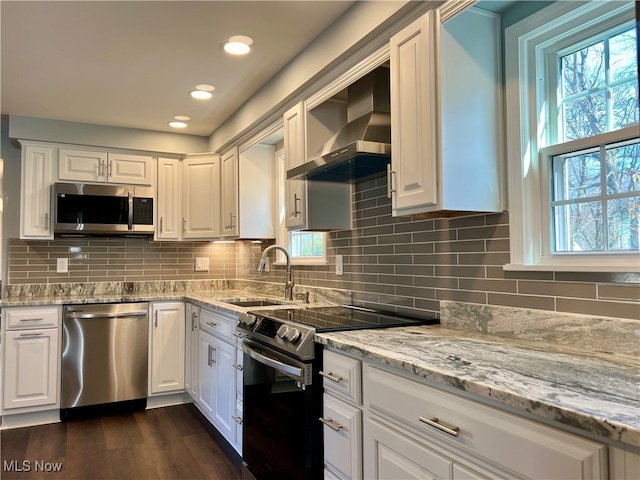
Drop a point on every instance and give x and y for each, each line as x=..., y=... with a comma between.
x=163, y=443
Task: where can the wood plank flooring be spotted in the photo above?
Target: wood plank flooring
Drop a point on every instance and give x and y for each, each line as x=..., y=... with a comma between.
x=164, y=443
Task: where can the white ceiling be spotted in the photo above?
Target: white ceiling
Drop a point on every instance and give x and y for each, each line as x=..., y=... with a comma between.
x=132, y=64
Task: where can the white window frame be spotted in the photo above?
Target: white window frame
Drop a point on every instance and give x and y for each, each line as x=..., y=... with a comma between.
x=527, y=116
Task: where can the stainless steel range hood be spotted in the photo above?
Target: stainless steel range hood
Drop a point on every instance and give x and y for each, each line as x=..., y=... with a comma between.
x=362, y=148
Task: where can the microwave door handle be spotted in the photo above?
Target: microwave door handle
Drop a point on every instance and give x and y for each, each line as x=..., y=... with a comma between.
x=130, y=226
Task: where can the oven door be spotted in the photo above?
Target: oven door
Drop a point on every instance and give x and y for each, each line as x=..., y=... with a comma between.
x=281, y=434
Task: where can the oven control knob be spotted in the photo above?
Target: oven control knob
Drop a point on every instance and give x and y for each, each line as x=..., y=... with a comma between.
x=249, y=320
x=293, y=334
x=282, y=331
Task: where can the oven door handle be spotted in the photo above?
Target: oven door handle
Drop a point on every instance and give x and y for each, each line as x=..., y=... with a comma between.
x=272, y=362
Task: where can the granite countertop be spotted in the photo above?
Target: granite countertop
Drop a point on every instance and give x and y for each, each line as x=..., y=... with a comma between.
x=598, y=393
x=217, y=299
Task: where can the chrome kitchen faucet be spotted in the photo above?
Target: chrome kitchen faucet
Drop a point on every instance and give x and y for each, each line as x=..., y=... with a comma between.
x=288, y=286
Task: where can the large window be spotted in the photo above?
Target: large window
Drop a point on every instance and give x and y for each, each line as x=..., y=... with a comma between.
x=572, y=90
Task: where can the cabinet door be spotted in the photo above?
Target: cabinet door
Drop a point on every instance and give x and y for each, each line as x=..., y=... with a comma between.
x=342, y=427
x=167, y=347
x=130, y=169
x=201, y=198
x=206, y=373
x=414, y=139
x=229, y=188
x=169, y=199
x=224, y=403
x=390, y=455
x=191, y=350
x=82, y=165
x=30, y=368
x=35, y=205
x=295, y=154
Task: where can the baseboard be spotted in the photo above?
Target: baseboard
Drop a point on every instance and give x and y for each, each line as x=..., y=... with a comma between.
x=20, y=420
x=168, y=400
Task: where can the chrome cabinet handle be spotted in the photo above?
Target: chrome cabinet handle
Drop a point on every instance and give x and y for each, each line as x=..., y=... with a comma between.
x=184, y=224
x=296, y=199
x=331, y=424
x=31, y=319
x=160, y=224
x=211, y=324
x=331, y=376
x=46, y=221
x=390, y=174
x=238, y=367
x=32, y=334
x=434, y=422
x=156, y=318
x=209, y=361
x=238, y=335
x=213, y=355
x=237, y=419
x=109, y=168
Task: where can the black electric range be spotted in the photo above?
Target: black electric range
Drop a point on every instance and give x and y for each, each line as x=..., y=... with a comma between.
x=292, y=330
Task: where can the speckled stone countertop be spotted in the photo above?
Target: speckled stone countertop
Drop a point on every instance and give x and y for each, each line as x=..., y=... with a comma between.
x=214, y=294
x=594, y=392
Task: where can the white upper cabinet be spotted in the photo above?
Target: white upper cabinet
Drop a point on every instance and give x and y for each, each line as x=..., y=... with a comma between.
x=446, y=115
x=229, y=189
x=77, y=165
x=201, y=197
x=311, y=205
x=295, y=154
x=169, y=199
x=35, y=195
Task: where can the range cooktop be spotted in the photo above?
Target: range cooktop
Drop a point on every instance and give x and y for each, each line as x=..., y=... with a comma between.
x=347, y=317
x=292, y=329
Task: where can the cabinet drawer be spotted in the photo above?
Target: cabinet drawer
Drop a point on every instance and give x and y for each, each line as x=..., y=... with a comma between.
x=342, y=376
x=342, y=437
x=459, y=424
x=219, y=324
x=32, y=317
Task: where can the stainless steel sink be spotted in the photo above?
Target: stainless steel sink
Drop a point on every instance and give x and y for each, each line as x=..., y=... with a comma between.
x=254, y=303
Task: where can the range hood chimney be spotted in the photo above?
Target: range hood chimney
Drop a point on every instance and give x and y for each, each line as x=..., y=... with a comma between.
x=362, y=148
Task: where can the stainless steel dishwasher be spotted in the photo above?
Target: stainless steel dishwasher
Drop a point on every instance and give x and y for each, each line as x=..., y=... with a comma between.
x=104, y=354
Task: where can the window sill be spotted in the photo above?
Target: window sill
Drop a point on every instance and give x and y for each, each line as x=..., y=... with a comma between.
x=305, y=261
x=514, y=267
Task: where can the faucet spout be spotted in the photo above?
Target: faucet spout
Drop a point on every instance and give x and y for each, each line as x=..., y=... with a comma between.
x=288, y=287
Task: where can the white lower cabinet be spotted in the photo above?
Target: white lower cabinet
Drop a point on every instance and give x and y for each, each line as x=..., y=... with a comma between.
x=191, y=336
x=166, y=347
x=342, y=416
x=218, y=367
x=406, y=428
x=342, y=437
x=456, y=431
x=31, y=358
x=31, y=367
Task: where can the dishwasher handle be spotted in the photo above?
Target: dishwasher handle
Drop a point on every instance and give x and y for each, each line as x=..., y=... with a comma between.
x=136, y=313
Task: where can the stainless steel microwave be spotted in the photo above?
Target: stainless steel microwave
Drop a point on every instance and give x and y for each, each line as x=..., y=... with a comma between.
x=84, y=209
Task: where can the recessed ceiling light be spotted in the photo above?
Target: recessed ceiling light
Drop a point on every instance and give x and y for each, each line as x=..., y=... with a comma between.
x=238, y=45
x=176, y=124
x=205, y=87
x=201, y=94
x=182, y=118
